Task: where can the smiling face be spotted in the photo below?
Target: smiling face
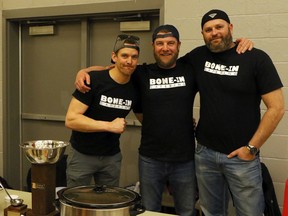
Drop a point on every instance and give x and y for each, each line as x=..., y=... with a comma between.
x=166, y=51
x=217, y=35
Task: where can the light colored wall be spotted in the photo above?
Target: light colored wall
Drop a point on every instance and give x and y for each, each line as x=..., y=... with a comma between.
x=262, y=21
x=1, y=97
x=17, y=4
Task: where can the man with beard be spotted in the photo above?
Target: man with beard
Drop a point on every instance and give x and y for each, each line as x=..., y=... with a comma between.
x=167, y=146
x=230, y=131
x=166, y=152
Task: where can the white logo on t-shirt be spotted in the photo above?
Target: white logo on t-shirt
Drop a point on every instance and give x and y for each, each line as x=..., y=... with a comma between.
x=167, y=82
x=219, y=69
x=117, y=103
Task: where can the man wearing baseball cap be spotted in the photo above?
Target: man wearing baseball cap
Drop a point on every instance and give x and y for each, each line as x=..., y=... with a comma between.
x=97, y=118
x=166, y=153
x=230, y=131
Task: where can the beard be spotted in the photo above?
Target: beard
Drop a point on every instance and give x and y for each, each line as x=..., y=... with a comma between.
x=166, y=64
x=223, y=45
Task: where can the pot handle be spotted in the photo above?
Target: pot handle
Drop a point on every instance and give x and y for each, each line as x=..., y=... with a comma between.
x=138, y=208
x=56, y=204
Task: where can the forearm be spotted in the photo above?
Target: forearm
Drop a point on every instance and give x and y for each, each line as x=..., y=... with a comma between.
x=97, y=68
x=94, y=68
x=83, y=123
x=268, y=123
x=83, y=76
x=274, y=102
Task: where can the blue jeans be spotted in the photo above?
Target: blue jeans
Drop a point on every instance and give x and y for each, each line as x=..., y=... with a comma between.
x=216, y=173
x=153, y=178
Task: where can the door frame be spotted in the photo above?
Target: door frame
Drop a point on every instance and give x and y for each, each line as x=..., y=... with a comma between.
x=12, y=155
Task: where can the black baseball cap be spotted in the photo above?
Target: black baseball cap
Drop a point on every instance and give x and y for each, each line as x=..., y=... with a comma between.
x=170, y=29
x=214, y=14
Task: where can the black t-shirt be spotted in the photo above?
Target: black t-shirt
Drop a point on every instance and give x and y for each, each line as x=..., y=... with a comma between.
x=167, y=97
x=230, y=87
x=107, y=100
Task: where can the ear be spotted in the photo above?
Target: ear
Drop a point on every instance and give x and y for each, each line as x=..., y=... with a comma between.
x=231, y=28
x=179, y=44
x=114, y=56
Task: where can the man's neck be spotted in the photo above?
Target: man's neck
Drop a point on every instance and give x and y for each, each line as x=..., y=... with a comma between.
x=119, y=77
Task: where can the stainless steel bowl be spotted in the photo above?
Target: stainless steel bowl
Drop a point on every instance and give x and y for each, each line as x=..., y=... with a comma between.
x=44, y=151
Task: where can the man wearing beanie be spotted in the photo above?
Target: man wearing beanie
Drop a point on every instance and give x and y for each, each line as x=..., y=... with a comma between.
x=166, y=153
x=230, y=130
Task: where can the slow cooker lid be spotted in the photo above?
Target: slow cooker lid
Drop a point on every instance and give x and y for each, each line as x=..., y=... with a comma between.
x=99, y=196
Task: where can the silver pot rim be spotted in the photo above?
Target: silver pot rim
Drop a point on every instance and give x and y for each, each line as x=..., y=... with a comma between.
x=97, y=197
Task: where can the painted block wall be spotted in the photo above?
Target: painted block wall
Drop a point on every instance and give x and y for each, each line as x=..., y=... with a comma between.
x=262, y=21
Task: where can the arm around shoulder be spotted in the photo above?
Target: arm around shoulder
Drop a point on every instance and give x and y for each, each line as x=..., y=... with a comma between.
x=82, y=76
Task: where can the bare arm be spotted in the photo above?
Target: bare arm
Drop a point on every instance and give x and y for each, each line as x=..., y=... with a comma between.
x=75, y=120
x=83, y=76
x=274, y=102
x=243, y=44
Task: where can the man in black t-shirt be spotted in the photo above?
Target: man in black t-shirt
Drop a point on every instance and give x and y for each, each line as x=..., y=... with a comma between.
x=165, y=108
x=230, y=131
x=166, y=153
x=97, y=119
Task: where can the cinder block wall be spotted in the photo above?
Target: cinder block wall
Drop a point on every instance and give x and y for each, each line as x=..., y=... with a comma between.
x=262, y=21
